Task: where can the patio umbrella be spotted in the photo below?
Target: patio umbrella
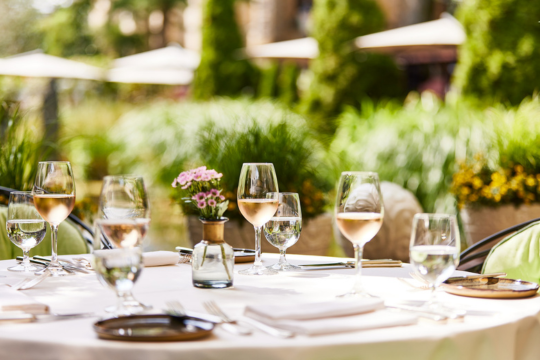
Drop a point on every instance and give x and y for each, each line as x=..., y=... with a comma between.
x=171, y=57
x=305, y=48
x=137, y=75
x=38, y=64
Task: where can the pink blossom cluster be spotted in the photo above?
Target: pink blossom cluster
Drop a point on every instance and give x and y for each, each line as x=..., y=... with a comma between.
x=199, y=174
x=204, y=198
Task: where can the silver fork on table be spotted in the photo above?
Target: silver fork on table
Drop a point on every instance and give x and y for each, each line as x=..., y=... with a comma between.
x=270, y=330
x=228, y=324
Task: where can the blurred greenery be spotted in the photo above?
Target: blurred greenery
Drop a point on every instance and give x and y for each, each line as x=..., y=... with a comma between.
x=18, y=33
x=342, y=77
x=221, y=71
x=499, y=59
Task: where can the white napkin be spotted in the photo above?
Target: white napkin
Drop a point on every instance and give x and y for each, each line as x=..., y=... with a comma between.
x=160, y=258
x=329, y=317
x=13, y=300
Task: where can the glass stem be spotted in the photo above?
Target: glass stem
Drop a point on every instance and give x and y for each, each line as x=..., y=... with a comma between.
x=258, y=230
x=358, y=287
x=54, y=246
x=432, y=296
x=26, y=259
x=122, y=297
x=282, y=259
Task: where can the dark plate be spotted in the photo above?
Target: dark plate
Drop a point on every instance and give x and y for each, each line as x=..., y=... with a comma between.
x=153, y=328
x=244, y=255
x=496, y=288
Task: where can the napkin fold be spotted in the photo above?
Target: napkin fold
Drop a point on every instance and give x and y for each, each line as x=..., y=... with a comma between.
x=329, y=317
x=13, y=300
x=160, y=258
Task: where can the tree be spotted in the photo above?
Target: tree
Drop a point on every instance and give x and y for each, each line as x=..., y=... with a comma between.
x=500, y=58
x=18, y=35
x=342, y=76
x=221, y=71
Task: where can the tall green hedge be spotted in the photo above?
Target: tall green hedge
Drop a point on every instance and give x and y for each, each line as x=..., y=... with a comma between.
x=221, y=72
x=341, y=75
x=500, y=61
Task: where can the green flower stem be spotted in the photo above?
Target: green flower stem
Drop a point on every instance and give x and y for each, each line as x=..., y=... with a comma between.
x=225, y=261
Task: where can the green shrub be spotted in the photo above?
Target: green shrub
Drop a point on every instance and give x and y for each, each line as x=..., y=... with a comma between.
x=340, y=75
x=286, y=82
x=221, y=72
x=499, y=60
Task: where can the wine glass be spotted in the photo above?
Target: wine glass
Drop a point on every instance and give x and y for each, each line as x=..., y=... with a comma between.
x=359, y=215
x=25, y=227
x=258, y=202
x=283, y=230
x=120, y=267
x=125, y=197
x=434, y=249
x=54, y=198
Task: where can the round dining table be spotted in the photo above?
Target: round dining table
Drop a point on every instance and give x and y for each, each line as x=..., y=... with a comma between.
x=510, y=329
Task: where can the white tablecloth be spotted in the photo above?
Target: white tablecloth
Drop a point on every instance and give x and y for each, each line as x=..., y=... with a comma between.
x=512, y=334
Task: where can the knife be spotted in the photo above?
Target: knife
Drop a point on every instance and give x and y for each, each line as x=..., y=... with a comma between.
x=477, y=276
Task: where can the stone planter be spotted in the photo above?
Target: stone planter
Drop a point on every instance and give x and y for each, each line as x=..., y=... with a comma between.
x=315, y=238
x=482, y=222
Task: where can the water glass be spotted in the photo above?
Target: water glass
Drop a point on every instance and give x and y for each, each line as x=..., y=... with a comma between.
x=434, y=249
x=283, y=230
x=25, y=227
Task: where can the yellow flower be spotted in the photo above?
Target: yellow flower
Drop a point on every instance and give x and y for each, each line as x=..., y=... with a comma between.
x=477, y=183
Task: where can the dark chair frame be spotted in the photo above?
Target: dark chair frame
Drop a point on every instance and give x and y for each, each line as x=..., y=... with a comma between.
x=472, y=253
x=6, y=191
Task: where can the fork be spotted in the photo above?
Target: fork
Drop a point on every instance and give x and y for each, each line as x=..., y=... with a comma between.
x=27, y=283
x=228, y=324
x=419, y=287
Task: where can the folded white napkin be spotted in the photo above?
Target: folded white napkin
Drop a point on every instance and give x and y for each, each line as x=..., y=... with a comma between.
x=13, y=300
x=160, y=258
x=329, y=317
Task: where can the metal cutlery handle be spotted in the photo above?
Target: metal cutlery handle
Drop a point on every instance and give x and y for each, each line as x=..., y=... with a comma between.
x=420, y=312
x=285, y=334
x=235, y=329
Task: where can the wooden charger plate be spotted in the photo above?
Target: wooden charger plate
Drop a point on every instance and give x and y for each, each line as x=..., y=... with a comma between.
x=495, y=288
x=244, y=256
x=152, y=328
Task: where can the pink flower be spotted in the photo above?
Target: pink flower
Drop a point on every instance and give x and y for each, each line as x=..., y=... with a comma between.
x=221, y=197
x=201, y=204
x=208, y=194
x=186, y=186
x=197, y=176
x=212, y=202
x=206, y=177
x=200, y=196
x=174, y=183
x=201, y=169
x=217, y=176
x=214, y=192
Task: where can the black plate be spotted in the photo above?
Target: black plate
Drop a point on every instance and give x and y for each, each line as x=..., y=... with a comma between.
x=153, y=328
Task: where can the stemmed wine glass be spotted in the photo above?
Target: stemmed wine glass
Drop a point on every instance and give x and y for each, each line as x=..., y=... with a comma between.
x=258, y=202
x=283, y=230
x=25, y=227
x=119, y=268
x=125, y=197
x=434, y=249
x=359, y=214
x=54, y=198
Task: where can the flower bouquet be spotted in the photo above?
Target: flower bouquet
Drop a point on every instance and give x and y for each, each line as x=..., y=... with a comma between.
x=212, y=259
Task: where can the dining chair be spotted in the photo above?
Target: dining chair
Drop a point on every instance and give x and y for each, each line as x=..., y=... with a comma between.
x=472, y=259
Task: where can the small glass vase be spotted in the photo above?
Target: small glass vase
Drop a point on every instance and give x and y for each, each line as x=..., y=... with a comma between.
x=213, y=259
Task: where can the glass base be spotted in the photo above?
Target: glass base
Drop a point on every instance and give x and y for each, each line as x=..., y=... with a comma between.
x=284, y=267
x=58, y=271
x=357, y=295
x=212, y=284
x=258, y=270
x=129, y=308
x=22, y=268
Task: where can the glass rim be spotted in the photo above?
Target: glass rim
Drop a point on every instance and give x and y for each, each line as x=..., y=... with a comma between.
x=20, y=192
x=433, y=216
x=54, y=162
x=123, y=176
x=282, y=193
x=371, y=173
x=262, y=163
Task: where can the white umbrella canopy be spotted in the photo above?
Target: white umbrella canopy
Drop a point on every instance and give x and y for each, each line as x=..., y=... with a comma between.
x=136, y=75
x=37, y=64
x=305, y=48
x=172, y=57
x=446, y=32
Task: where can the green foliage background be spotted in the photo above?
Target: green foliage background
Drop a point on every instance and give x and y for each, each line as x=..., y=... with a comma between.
x=500, y=58
x=221, y=71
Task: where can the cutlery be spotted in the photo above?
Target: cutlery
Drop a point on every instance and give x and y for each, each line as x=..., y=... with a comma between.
x=28, y=283
x=185, y=250
x=175, y=308
x=477, y=276
x=66, y=263
x=420, y=287
x=448, y=313
x=228, y=324
x=352, y=264
x=418, y=303
x=270, y=330
x=45, y=262
x=420, y=312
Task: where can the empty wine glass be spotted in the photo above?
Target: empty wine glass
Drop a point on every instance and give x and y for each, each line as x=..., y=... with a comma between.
x=54, y=199
x=119, y=268
x=25, y=227
x=359, y=214
x=434, y=249
x=125, y=197
x=283, y=230
x=258, y=202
